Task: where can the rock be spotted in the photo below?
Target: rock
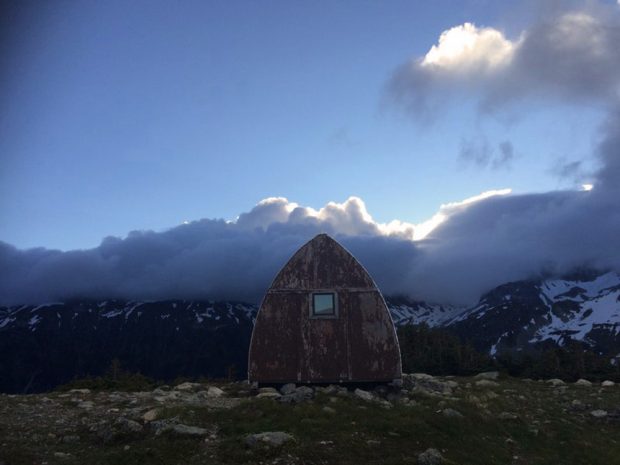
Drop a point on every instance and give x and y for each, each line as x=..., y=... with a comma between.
x=507, y=416
x=486, y=383
x=70, y=439
x=430, y=457
x=80, y=391
x=555, y=382
x=490, y=375
x=583, y=382
x=129, y=426
x=214, y=391
x=385, y=404
x=187, y=386
x=86, y=405
x=61, y=455
x=397, y=383
x=607, y=383
x=364, y=395
x=163, y=426
x=329, y=410
x=427, y=384
x=288, y=389
x=151, y=415
x=186, y=430
x=577, y=405
x=598, y=413
x=451, y=413
x=269, y=395
x=269, y=438
x=264, y=390
x=373, y=442
x=301, y=394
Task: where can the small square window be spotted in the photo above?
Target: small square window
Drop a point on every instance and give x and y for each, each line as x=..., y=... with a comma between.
x=323, y=304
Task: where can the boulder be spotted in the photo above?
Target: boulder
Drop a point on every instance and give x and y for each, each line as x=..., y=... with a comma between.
x=507, y=416
x=607, y=383
x=555, y=382
x=288, y=389
x=151, y=415
x=430, y=457
x=80, y=391
x=268, y=438
x=486, y=383
x=186, y=430
x=490, y=375
x=364, y=395
x=264, y=390
x=214, y=391
x=268, y=395
x=127, y=425
x=598, y=413
x=451, y=413
x=187, y=386
x=163, y=426
x=583, y=382
x=427, y=384
x=300, y=394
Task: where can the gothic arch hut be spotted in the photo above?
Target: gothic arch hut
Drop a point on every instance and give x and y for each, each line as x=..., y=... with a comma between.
x=323, y=320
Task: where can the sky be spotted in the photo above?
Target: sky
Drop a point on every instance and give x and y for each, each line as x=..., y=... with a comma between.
x=159, y=150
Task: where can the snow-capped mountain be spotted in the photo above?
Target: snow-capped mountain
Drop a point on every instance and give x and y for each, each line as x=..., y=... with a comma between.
x=517, y=315
x=45, y=345
x=407, y=312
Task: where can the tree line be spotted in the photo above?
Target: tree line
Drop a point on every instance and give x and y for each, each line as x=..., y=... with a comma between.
x=437, y=351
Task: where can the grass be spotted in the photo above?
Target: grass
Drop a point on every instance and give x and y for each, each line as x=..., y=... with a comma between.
x=546, y=430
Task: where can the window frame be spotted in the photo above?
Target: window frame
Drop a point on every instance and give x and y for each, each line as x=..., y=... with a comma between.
x=324, y=316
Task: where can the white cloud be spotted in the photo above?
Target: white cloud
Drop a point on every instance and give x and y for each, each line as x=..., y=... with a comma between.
x=466, y=48
x=423, y=229
x=573, y=57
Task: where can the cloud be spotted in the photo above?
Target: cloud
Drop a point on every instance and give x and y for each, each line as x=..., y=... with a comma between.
x=466, y=248
x=467, y=49
x=505, y=156
x=201, y=259
x=480, y=153
x=571, y=57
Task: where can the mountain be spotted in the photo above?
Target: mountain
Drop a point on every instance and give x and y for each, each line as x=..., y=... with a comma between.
x=520, y=315
x=45, y=345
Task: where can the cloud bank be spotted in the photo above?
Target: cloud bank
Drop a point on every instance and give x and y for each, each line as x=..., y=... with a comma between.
x=468, y=247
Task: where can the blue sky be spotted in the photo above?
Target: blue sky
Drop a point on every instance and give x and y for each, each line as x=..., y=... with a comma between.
x=119, y=116
x=151, y=150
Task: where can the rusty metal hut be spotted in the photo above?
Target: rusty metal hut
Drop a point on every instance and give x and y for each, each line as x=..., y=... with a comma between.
x=323, y=320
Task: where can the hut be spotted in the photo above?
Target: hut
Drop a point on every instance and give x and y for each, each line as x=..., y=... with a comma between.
x=323, y=320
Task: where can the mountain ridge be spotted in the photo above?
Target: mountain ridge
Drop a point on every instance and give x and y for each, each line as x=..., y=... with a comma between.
x=44, y=345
